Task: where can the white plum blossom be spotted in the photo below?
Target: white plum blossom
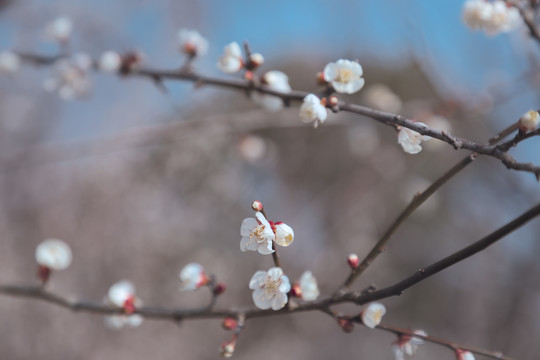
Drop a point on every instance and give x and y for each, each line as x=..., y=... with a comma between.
x=344, y=75
x=312, y=110
x=273, y=80
x=257, y=235
x=53, y=254
x=284, y=234
x=492, y=16
x=476, y=13
x=9, y=62
x=308, y=286
x=193, y=277
x=529, y=121
x=372, y=315
x=192, y=43
x=270, y=289
x=110, y=61
x=406, y=345
x=503, y=18
x=71, y=79
x=231, y=61
x=59, y=29
x=122, y=295
x=410, y=140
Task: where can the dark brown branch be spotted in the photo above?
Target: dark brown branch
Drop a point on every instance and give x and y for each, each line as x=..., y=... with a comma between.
x=39, y=293
x=422, y=274
x=418, y=200
x=389, y=119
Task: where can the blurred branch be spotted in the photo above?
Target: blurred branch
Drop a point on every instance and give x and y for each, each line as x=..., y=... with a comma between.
x=393, y=120
x=422, y=274
x=39, y=293
x=418, y=200
x=442, y=342
x=528, y=18
x=323, y=305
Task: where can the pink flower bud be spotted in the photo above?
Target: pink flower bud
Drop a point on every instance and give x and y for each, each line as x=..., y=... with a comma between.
x=43, y=273
x=257, y=206
x=346, y=325
x=296, y=291
x=229, y=323
x=219, y=288
x=353, y=261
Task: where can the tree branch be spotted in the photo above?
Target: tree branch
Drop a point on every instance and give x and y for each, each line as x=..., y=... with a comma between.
x=392, y=120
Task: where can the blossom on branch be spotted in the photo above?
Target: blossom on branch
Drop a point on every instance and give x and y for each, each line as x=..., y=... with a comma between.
x=231, y=61
x=192, y=43
x=312, y=110
x=9, y=62
x=308, y=286
x=464, y=355
x=529, y=121
x=407, y=345
x=122, y=295
x=276, y=81
x=372, y=315
x=344, y=75
x=270, y=289
x=59, y=29
x=492, y=16
x=257, y=235
x=72, y=78
x=193, y=277
x=53, y=254
x=410, y=140
x=110, y=61
x=284, y=234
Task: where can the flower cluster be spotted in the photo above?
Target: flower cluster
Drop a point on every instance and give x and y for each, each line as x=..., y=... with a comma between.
x=491, y=16
x=71, y=78
x=259, y=234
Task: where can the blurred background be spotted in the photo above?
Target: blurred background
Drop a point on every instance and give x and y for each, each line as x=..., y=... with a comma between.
x=141, y=182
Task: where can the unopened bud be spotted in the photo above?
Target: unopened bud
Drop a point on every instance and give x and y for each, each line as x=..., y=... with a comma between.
x=257, y=206
x=43, y=273
x=229, y=323
x=219, y=288
x=333, y=101
x=320, y=79
x=248, y=75
x=353, y=261
x=346, y=325
x=255, y=60
x=129, y=305
x=529, y=121
x=130, y=61
x=296, y=291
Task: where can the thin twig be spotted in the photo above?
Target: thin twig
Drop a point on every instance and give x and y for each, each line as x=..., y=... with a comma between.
x=392, y=120
x=418, y=200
